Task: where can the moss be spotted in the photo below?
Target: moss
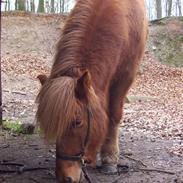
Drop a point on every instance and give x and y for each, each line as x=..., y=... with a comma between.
x=180, y=38
x=169, y=47
x=161, y=21
x=181, y=18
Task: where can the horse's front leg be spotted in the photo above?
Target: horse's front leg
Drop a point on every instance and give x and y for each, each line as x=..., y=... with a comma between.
x=110, y=150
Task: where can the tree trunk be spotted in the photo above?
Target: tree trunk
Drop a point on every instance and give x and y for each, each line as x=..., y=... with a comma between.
x=0, y=93
x=52, y=6
x=63, y=6
x=32, y=6
x=41, y=6
x=8, y=5
x=169, y=7
x=166, y=8
x=179, y=7
x=21, y=5
x=60, y=6
x=0, y=97
x=158, y=9
x=16, y=4
x=27, y=5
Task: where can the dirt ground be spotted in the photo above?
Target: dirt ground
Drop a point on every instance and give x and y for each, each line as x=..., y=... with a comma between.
x=151, y=138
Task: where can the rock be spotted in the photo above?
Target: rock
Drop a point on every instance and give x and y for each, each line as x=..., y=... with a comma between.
x=154, y=48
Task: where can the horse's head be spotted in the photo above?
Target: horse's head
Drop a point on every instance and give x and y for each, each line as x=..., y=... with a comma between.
x=70, y=112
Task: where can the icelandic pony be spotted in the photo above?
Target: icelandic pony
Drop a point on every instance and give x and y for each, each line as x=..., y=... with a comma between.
x=80, y=103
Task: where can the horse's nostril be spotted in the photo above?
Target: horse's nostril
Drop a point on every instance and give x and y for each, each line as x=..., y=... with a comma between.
x=68, y=180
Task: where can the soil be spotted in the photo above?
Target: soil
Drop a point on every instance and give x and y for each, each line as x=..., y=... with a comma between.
x=151, y=132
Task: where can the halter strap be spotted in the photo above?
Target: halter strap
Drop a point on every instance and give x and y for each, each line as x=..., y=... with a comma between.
x=79, y=157
x=70, y=158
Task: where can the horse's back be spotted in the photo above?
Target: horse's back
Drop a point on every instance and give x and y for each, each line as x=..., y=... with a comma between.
x=118, y=39
x=101, y=36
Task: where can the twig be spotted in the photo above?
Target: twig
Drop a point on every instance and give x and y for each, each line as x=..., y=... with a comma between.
x=16, y=92
x=7, y=91
x=20, y=168
x=4, y=146
x=146, y=170
x=126, y=156
x=156, y=170
x=19, y=92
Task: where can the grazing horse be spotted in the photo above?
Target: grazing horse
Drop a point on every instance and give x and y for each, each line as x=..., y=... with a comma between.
x=80, y=103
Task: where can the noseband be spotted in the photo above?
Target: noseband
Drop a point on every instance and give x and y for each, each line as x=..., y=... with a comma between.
x=79, y=157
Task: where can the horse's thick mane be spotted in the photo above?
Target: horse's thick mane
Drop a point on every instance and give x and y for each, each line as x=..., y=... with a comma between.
x=72, y=48
x=56, y=106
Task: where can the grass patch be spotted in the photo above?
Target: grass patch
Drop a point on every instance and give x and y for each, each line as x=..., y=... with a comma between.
x=38, y=131
x=17, y=127
x=13, y=126
x=181, y=18
x=169, y=47
x=160, y=21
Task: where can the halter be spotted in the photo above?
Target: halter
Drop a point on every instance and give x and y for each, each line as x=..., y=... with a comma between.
x=79, y=157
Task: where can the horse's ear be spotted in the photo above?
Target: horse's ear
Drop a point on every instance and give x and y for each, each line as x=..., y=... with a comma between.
x=42, y=78
x=82, y=87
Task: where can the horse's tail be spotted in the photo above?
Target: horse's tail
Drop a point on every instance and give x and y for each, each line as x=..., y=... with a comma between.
x=56, y=106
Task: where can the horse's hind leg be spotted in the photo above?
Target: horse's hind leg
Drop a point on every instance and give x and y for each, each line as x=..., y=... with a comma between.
x=110, y=149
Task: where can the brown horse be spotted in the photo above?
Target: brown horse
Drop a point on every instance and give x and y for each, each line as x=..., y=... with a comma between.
x=80, y=104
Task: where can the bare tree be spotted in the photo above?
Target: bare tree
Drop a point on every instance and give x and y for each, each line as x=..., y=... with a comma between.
x=62, y=6
x=16, y=4
x=159, y=8
x=0, y=97
x=20, y=5
x=169, y=7
x=179, y=7
x=47, y=6
x=41, y=6
x=27, y=5
x=32, y=5
x=8, y=5
x=52, y=6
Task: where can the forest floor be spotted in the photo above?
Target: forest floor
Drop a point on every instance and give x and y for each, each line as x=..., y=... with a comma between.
x=151, y=138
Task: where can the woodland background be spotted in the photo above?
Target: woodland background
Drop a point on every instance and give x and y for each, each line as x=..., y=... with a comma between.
x=155, y=8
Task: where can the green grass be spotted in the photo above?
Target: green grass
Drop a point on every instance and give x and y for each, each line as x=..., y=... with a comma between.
x=38, y=131
x=14, y=126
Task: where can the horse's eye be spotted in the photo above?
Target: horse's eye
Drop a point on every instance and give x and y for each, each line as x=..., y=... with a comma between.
x=77, y=123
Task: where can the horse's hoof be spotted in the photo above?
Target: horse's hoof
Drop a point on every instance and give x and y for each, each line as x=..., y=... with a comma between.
x=109, y=169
